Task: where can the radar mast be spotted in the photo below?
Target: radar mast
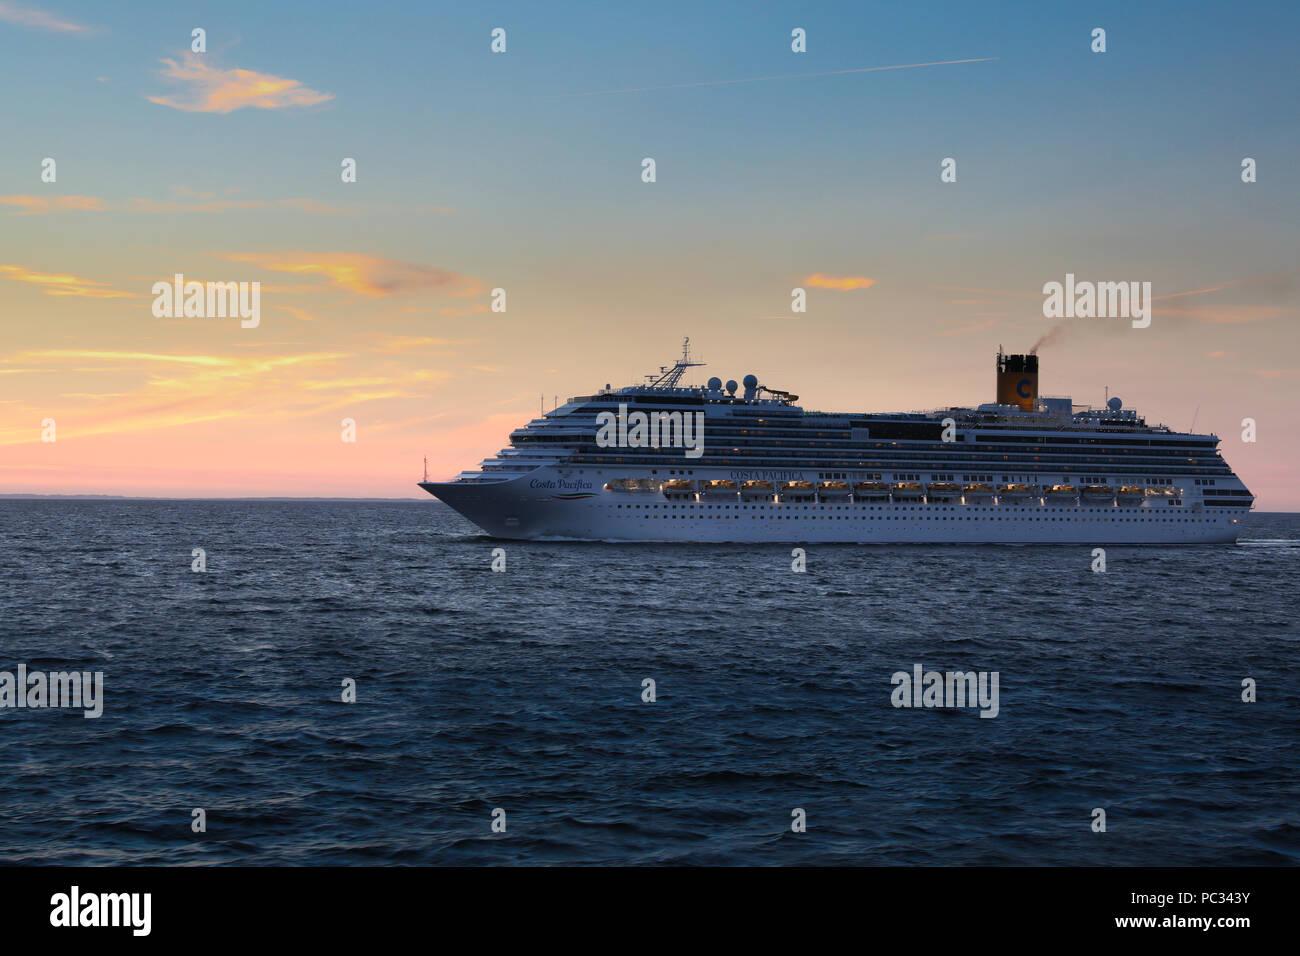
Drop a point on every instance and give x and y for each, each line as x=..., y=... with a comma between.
x=668, y=377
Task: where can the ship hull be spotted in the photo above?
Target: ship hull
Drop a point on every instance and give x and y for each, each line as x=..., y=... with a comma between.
x=562, y=504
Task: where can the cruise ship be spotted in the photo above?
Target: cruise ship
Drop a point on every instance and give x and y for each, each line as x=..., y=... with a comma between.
x=662, y=461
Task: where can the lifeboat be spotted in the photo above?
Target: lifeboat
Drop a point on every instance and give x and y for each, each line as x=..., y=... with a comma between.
x=833, y=490
x=907, y=491
x=1014, y=493
x=1062, y=493
x=871, y=490
x=678, y=487
x=979, y=492
x=942, y=491
x=797, y=489
x=632, y=484
x=750, y=490
x=1131, y=495
x=723, y=488
x=1165, y=492
x=1098, y=493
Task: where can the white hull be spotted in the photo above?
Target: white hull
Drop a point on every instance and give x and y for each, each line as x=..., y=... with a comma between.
x=565, y=504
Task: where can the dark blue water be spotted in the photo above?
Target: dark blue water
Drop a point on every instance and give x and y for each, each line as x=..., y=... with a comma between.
x=522, y=690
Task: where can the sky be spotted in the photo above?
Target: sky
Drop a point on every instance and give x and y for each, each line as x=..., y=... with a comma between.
x=522, y=171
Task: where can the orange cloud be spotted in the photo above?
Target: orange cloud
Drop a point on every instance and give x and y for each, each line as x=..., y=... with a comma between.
x=367, y=275
x=65, y=285
x=173, y=389
x=298, y=313
x=214, y=90
x=334, y=383
x=29, y=17
x=33, y=205
x=408, y=343
x=840, y=283
x=81, y=354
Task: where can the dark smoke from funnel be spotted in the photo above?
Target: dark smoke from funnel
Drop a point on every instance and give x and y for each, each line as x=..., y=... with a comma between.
x=1051, y=338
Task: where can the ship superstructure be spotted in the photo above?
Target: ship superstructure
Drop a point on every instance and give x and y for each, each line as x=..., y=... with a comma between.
x=1022, y=469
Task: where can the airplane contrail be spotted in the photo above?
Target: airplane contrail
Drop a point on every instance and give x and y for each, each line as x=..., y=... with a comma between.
x=784, y=76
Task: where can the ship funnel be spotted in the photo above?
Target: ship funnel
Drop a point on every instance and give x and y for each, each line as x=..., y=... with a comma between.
x=1018, y=381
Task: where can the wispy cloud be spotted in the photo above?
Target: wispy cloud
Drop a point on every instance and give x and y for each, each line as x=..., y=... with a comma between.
x=34, y=205
x=411, y=343
x=366, y=275
x=841, y=283
x=208, y=367
x=56, y=355
x=1287, y=281
x=1228, y=314
x=182, y=389
x=174, y=389
x=298, y=313
x=229, y=205
x=211, y=89
x=30, y=204
x=1280, y=285
x=1010, y=292
x=40, y=19
x=63, y=284
x=786, y=76
x=337, y=383
x=970, y=327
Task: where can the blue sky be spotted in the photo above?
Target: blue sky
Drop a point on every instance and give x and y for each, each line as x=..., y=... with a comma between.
x=501, y=170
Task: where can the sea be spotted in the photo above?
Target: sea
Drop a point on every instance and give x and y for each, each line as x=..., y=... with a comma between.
x=352, y=683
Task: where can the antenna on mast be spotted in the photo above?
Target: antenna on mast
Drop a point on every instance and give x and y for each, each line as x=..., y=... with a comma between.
x=426, y=468
x=668, y=377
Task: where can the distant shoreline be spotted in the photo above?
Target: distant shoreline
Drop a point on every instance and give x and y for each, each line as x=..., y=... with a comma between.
x=33, y=497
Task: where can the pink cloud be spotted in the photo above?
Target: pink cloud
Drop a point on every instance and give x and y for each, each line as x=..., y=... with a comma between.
x=30, y=17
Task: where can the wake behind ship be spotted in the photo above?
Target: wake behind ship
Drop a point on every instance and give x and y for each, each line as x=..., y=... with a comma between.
x=666, y=462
